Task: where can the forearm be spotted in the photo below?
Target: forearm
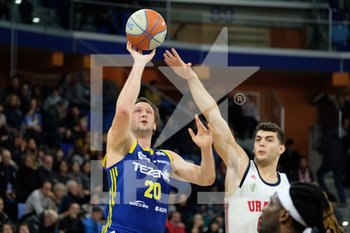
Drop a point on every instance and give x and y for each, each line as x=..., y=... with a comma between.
x=210, y=110
x=203, y=99
x=207, y=167
x=132, y=86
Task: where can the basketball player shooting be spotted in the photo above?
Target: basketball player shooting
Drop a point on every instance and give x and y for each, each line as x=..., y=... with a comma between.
x=129, y=155
x=248, y=184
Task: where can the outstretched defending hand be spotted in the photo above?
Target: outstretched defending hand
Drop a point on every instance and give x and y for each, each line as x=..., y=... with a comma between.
x=204, y=136
x=176, y=63
x=137, y=54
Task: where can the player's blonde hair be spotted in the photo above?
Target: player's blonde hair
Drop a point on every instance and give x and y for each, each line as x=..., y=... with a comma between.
x=314, y=207
x=329, y=219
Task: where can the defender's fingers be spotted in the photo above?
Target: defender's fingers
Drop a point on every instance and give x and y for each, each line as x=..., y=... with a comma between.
x=175, y=53
x=166, y=56
x=168, y=62
x=199, y=123
x=170, y=55
x=190, y=131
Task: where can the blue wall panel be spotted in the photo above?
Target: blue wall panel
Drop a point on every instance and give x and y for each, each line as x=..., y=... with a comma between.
x=68, y=43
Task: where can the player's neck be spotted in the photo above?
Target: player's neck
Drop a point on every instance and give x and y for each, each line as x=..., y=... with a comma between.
x=143, y=138
x=268, y=172
x=144, y=142
x=287, y=229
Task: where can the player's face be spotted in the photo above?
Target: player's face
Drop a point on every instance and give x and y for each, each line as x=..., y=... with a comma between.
x=143, y=118
x=269, y=220
x=267, y=147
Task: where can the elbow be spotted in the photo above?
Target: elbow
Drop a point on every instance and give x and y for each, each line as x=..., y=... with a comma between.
x=208, y=181
x=211, y=180
x=122, y=114
x=123, y=110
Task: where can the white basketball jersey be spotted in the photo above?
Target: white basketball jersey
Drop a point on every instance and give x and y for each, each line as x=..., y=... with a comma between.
x=244, y=208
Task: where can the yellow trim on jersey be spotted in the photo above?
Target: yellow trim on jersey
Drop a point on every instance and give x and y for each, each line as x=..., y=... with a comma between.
x=111, y=190
x=104, y=162
x=113, y=173
x=149, y=150
x=115, y=187
x=133, y=147
x=168, y=155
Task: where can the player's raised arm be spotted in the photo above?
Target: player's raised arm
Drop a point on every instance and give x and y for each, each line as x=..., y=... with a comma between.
x=224, y=141
x=205, y=173
x=119, y=138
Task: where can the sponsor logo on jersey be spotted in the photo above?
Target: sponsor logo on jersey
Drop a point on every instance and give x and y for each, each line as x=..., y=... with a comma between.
x=139, y=204
x=257, y=206
x=160, y=153
x=160, y=209
x=162, y=161
x=142, y=156
x=151, y=171
x=253, y=187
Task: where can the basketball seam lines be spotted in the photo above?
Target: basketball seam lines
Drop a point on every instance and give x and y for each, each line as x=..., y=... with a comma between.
x=157, y=34
x=154, y=25
x=142, y=30
x=139, y=26
x=152, y=38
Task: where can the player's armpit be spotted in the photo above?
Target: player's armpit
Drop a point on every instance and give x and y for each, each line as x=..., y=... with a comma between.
x=116, y=152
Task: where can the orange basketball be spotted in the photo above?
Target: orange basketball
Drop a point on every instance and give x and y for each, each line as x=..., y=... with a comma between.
x=146, y=29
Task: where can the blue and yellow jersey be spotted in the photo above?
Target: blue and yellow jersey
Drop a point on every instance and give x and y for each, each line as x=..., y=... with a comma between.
x=138, y=192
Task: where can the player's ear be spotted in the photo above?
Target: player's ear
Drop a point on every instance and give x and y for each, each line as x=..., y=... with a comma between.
x=283, y=216
x=282, y=149
x=154, y=126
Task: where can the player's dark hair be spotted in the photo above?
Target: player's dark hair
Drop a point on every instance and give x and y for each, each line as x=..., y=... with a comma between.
x=310, y=202
x=269, y=126
x=154, y=107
